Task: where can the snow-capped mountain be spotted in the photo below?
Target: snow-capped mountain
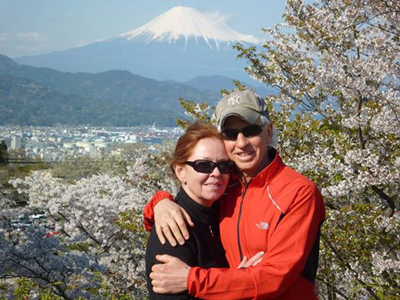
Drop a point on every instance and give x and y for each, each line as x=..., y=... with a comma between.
x=184, y=22
x=180, y=44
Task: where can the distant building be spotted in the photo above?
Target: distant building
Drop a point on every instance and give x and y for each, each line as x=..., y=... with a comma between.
x=15, y=142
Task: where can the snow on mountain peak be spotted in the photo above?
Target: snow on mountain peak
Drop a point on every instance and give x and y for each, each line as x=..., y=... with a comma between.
x=185, y=22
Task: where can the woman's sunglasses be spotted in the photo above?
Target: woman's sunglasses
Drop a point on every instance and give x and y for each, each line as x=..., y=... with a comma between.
x=208, y=166
x=248, y=131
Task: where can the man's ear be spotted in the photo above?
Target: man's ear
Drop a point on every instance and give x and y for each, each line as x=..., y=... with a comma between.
x=270, y=129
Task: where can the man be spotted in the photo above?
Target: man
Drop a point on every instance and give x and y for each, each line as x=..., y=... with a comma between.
x=268, y=207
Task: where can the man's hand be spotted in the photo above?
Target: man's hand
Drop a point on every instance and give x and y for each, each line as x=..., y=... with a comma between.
x=170, y=221
x=252, y=262
x=170, y=277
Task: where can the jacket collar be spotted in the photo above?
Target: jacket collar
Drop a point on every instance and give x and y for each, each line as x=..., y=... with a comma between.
x=266, y=175
x=199, y=213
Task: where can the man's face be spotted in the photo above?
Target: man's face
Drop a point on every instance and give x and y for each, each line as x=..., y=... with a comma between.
x=248, y=153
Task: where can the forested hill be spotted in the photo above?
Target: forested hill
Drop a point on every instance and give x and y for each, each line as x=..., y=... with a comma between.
x=42, y=96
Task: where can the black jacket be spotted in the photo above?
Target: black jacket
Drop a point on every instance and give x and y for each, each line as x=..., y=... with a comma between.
x=203, y=248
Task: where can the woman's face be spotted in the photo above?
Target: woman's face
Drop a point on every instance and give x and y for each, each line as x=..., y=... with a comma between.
x=248, y=153
x=204, y=188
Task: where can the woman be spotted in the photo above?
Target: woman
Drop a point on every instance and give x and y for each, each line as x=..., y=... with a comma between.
x=202, y=166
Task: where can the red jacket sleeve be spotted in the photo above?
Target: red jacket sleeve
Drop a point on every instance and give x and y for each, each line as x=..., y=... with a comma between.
x=279, y=273
x=148, y=211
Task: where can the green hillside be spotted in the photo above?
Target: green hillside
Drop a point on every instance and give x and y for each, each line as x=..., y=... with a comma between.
x=42, y=96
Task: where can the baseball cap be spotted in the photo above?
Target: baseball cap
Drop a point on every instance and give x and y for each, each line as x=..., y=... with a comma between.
x=246, y=105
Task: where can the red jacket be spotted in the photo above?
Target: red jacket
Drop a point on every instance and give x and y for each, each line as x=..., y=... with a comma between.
x=279, y=212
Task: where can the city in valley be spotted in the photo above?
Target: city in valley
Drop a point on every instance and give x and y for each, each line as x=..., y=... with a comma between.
x=55, y=143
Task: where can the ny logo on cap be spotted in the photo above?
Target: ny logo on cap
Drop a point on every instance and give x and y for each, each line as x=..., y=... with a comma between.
x=233, y=100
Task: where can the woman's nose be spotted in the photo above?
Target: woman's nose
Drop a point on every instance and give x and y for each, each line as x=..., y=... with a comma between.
x=216, y=172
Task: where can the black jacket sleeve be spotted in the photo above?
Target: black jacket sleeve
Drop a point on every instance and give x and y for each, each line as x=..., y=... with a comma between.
x=186, y=253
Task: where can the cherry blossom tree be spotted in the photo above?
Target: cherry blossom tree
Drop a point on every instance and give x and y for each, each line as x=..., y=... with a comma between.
x=336, y=66
x=98, y=251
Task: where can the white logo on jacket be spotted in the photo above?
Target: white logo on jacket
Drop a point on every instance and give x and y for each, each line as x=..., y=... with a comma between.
x=262, y=225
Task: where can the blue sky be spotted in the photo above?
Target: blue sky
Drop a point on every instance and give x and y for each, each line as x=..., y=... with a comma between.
x=29, y=27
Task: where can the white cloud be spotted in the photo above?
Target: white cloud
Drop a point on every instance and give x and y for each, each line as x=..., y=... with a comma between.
x=219, y=17
x=26, y=37
x=16, y=44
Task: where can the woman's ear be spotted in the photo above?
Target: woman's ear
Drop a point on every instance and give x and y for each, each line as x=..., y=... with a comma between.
x=180, y=172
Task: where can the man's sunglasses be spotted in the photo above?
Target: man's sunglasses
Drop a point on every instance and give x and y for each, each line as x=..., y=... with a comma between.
x=208, y=166
x=248, y=131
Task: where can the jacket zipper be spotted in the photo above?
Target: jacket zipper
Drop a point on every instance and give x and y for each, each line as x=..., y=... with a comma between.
x=238, y=222
x=211, y=231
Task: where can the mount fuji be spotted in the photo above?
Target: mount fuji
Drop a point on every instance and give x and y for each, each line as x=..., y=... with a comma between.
x=179, y=45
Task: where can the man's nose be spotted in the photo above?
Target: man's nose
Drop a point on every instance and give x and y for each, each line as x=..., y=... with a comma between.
x=241, y=140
